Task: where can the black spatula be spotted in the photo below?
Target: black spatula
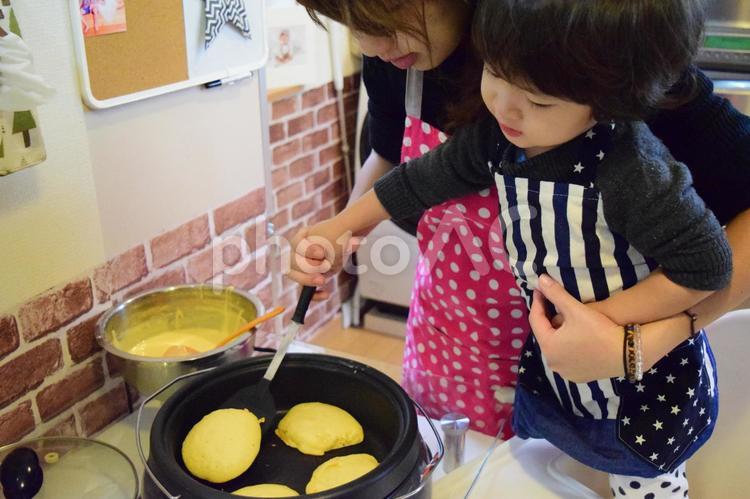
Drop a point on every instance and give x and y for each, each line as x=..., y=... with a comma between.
x=257, y=398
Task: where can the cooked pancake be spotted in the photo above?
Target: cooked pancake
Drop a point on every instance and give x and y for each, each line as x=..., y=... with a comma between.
x=340, y=470
x=266, y=490
x=222, y=445
x=315, y=428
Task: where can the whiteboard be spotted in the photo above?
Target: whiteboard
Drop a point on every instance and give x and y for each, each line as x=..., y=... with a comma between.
x=229, y=57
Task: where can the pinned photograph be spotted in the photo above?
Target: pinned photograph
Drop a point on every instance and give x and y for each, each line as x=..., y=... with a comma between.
x=288, y=46
x=102, y=17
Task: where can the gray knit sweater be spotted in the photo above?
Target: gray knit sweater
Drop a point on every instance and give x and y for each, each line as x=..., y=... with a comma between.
x=647, y=195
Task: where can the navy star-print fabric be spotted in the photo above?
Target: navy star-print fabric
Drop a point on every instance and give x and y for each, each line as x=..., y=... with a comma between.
x=559, y=229
x=668, y=410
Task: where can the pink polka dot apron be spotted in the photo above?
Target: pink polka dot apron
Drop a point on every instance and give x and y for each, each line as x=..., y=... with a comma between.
x=467, y=319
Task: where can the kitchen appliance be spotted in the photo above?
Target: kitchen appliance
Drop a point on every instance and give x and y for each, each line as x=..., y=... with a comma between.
x=173, y=309
x=79, y=468
x=725, y=54
x=386, y=413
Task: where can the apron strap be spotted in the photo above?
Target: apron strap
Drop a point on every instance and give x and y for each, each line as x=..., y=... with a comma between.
x=413, y=100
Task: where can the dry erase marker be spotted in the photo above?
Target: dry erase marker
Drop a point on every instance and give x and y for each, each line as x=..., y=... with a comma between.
x=230, y=80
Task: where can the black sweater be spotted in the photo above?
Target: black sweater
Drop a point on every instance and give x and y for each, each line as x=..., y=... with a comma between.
x=646, y=194
x=708, y=134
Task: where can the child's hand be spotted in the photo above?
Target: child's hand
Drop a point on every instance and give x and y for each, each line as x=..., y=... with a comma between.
x=579, y=343
x=319, y=252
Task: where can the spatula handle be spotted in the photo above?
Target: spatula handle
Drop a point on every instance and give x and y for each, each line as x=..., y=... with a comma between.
x=291, y=331
x=302, y=305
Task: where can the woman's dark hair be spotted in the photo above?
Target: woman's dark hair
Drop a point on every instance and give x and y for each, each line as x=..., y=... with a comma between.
x=385, y=18
x=373, y=17
x=621, y=57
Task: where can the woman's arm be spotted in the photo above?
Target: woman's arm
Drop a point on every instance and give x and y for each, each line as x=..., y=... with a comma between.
x=583, y=344
x=374, y=167
x=655, y=297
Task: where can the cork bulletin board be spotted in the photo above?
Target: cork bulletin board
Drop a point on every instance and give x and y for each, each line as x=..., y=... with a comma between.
x=161, y=49
x=151, y=53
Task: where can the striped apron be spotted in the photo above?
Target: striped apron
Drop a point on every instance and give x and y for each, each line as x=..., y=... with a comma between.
x=613, y=425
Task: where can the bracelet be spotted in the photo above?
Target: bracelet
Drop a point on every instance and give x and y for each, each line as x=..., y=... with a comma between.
x=638, y=353
x=633, y=353
x=693, y=319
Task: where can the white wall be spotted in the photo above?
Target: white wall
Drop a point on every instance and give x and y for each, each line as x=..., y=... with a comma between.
x=117, y=177
x=160, y=162
x=49, y=219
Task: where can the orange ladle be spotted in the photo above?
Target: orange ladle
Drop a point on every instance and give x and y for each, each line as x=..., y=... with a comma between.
x=184, y=350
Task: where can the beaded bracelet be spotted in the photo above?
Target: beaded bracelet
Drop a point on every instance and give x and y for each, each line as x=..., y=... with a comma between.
x=633, y=353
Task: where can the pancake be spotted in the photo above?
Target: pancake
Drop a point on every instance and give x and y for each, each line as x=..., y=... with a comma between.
x=222, y=445
x=340, y=470
x=266, y=490
x=315, y=428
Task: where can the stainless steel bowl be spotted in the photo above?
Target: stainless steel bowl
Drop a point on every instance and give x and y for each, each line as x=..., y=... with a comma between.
x=173, y=309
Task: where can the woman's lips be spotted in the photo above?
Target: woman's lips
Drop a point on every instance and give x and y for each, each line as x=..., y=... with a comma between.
x=404, y=62
x=510, y=132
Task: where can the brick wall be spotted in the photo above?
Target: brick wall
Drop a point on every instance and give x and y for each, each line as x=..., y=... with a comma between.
x=55, y=379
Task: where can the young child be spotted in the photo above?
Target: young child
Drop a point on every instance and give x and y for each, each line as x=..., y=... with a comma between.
x=589, y=196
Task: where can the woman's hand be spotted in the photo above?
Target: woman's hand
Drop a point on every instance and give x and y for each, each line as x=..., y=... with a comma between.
x=579, y=343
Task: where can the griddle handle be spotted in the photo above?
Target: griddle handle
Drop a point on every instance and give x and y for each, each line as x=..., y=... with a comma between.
x=304, y=302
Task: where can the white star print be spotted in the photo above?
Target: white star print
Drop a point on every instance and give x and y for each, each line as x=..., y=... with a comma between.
x=644, y=408
x=683, y=362
x=578, y=167
x=685, y=423
x=676, y=449
x=670, y=379
x=709, y=420
x=691, y=341
x=652, y=370
x=521, y=370
x=600, y=155
x=625, y=421
x=690, y=431
x=528, y=353
x=661, y=398
x=620, y=378
x=590, y=134
x=639, y=387
x=658, y=425
x=640, y=440
x=702, y=411
x=670, y=440
x=690, y=392
x=675, y=410
x=653, y=456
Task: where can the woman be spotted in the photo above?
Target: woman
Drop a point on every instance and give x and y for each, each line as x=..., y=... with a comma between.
x=399, y=39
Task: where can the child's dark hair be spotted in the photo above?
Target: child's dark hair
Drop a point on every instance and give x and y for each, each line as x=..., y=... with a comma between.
x=621, y=57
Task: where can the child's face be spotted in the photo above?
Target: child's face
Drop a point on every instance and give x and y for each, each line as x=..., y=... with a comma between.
x=445, y=22
x=530, y=120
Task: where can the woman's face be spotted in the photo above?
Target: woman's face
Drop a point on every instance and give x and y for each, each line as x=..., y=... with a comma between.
x=445, y=21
